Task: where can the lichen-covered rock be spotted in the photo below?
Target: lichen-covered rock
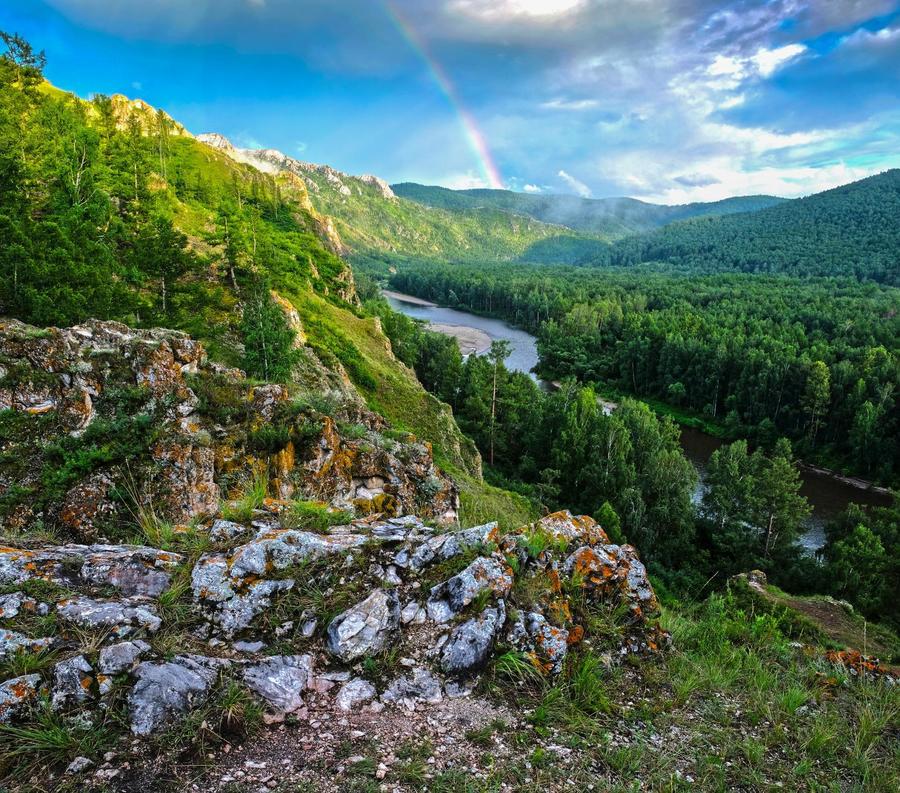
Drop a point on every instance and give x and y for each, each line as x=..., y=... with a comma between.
x=366, y=628
x=16, y=695
x=355, y=692
x=276, y=549
x=470, y=643
x=132, y=569
x=15, y=602
x=165, y=690
x=121, y=617
x=569, y=528
x=420, y=686
x=121, y=657
x=222, y=530
x=232, y=603
x=72, y=682
x=12, y=642
x=614, y=571
x=441, y=547
x=452, y=596
x=280, y=681
x=549, y=642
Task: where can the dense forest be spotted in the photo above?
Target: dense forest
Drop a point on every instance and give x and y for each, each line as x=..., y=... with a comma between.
x=848, y=231
x=758, y=357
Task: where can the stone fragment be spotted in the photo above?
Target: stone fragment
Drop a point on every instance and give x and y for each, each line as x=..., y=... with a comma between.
x=419, y=686
x=16, y=694
x=121, y=657
x=452, y=596
x=12, y=642
x=165, y=690
x=550, y=642
x=280, y=681
x=222, y=530
x=72, y=681
x=78, y=765
x=470, y=644
x=248, y=647
x=445, y=546
x=122, y=617
x=15, y=602
x=355, y=692
x=366, y=628
x=276, y=549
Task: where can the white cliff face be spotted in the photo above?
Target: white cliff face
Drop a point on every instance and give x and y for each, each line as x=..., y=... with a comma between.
x=273, y=161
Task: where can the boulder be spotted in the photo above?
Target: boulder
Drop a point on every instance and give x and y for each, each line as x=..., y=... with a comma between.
x=452, y=596
x=121, y=657
x=366, y=628
x=549, y=642
x=165, y=690
x=470, y=643
x=420, y=686
x=72, y=682
x=280, y=681
x=122, y=617
x=16, y=695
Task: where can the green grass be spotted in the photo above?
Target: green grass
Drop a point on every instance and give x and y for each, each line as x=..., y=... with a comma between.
x=314, y=516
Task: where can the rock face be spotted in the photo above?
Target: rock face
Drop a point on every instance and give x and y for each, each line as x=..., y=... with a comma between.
x=181, y=428
x=366, y=628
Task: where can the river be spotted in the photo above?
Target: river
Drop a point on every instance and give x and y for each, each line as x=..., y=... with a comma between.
x=827, y=495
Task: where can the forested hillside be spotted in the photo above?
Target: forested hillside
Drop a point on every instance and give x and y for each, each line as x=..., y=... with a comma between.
x=852, y=230
x=608, y=218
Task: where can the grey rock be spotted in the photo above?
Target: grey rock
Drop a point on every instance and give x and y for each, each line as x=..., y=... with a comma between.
x=419, y=686
x=308, y=628
x=13, y=603
x=456, y=689
x=470, y=644
x=366, y=628
x=280, y=681
x=280, y=548
x=549, y=642
x=12, y=642
x=355, y=692
x=445, y=546
x=16, y=694
x=78, y=765
x=222, y=530
x=248, y=647
x=165, y=690
x=452, y=596
x=121, y=617
x=72, y=681
x=132, y=569
x=121, y=657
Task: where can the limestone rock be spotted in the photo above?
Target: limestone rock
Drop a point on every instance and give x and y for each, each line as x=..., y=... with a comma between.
x=366, y=628
x=470, y=644
x=16, y=694
x=280, y=681
x=72, y=681
x=355, y=692
x=121, y=657
x=550, y=643
x=121, y=617
x=12, y=642
x=165, y=690
x=452, y=596
x=421, y=686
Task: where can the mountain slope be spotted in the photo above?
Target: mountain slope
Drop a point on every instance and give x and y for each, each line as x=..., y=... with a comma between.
x=374, y=222
x=853, y=230
x=610, y=218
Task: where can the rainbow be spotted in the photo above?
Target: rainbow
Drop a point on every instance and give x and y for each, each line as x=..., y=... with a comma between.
x=474, y=136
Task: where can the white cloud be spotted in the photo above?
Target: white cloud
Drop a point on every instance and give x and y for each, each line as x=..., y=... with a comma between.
x=578, y=186
x=532, y=188
x=507, y=10
x=767, y=62
x=463, y=181
x=570, y=104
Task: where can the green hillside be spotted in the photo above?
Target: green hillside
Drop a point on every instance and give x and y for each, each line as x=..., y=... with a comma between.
x=853, y=230
x=374, y=223
x=609, y=218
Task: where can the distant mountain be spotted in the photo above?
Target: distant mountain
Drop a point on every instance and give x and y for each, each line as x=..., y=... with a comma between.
x=610, y=218
x=373, y=222
x=852, y=230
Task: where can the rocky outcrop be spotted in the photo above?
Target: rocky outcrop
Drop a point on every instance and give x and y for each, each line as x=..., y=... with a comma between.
x=161, y=434
x=429, y=643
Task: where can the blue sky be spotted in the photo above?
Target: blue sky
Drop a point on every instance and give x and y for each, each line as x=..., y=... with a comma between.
x=664, y=100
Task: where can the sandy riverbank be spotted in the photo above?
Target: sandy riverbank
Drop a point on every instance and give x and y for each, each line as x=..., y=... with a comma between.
x=413, y=301
x=469, y=339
